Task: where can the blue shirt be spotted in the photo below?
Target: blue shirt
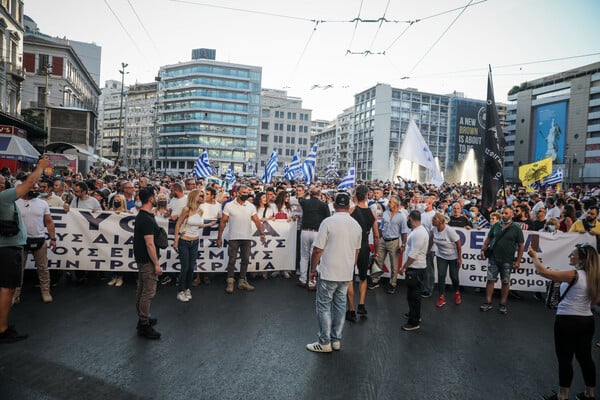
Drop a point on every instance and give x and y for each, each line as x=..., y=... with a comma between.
x=393, y=227
x=7, y=210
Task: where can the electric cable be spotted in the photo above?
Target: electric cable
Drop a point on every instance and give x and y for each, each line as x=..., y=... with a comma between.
x=123, y=26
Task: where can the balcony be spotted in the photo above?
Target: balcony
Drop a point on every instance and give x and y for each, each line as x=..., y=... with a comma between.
x=16, y=71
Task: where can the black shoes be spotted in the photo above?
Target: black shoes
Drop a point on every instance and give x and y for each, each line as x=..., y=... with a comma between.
x=361, y=310
x=147, y=331
x=11, y=335
x=351, y=316
x=391, y=289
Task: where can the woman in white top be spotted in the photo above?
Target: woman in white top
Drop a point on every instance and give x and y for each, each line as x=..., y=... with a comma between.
x=574, y=325
x=264, y=210
x=187, y=235
x=448, y=256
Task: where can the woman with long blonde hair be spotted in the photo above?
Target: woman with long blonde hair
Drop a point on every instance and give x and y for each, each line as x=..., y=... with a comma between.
x=187, y=235
x=574, y=324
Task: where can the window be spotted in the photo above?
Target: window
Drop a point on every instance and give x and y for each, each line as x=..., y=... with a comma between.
x=264, y=138
x=263, y=150
x=43, y=63
x=265, y=125
x=266, y=113
x=287, y=140
x=279, y=114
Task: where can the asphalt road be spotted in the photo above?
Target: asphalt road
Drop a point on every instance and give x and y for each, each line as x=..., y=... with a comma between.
x=252, y=346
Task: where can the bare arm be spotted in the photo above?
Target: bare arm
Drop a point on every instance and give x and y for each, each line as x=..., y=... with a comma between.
x=222, y=224
x=33, y=177
x=259, y=227
x=180, y=220
x=149, y=239
x=560, y=276
x=314, y=261
x=520, y=249
x=49, y=223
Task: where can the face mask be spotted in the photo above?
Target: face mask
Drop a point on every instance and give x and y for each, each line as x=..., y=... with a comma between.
x=117, y=204
x=138, y=204
x=43, y=194
x=472, y=214
x=378, y=213
x=33, y=193
x=550, y=228
x=244, y=197
x=409, y=224
x=162, y=203
x=506, y=220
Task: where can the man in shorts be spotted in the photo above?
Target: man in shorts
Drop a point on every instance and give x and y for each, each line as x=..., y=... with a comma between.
x=504, y=236
x=11, y=249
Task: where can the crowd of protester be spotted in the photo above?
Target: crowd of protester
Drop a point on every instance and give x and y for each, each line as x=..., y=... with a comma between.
x=194, y=203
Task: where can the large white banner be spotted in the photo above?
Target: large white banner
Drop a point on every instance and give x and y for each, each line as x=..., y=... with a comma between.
x=104, y=242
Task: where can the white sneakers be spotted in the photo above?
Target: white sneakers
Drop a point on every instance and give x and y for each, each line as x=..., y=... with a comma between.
x=319, y=348
x=182, y=297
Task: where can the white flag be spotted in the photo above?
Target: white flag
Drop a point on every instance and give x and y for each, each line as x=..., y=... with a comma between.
x=416, y=150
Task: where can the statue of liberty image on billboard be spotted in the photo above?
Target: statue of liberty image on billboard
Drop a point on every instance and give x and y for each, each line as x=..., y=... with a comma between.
x=550, y=129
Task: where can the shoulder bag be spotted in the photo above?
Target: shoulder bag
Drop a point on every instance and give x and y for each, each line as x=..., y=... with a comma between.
x=553, y=296
x=490, y=249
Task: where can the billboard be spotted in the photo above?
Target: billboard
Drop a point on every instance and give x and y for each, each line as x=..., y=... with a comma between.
x=549, y=126
x=470, y=130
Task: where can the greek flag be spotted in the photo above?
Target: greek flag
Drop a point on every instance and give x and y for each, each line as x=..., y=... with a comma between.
x=294, y=168
x=349, y=180
x=202, y=168
x=270, y=168
x=229, y=178
x=331, y=170
x=309, y=165
x=554, y=178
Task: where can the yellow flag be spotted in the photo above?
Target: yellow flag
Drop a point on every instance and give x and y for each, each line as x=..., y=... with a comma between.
x=536, y=171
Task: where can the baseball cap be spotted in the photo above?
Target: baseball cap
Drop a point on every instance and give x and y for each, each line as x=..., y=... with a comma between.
x=342, y=199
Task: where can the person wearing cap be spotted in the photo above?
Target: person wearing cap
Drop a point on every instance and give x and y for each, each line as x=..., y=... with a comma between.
x=314, y=211
x=336, y=248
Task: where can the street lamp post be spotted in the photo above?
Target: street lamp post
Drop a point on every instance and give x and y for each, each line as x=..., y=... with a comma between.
x=157, y=79
x=122, y=72
x=47, y=72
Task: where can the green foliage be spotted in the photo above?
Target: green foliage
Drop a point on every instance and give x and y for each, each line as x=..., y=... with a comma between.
x=33, y=117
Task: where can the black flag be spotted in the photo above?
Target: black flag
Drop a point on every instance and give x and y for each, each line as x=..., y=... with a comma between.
x=493, y=172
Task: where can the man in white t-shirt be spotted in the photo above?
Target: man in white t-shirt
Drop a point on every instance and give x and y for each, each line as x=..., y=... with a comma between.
x=336, y=248
x=414, y=265
x=211, y=211
x=82, y=199
x=36, y=215
x=238, y=213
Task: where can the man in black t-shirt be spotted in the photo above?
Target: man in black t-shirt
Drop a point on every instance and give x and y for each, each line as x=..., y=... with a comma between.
x=458, y=219
x=146, y=256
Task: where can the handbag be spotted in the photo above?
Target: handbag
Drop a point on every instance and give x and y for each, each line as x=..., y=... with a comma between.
x=161, y=240
x=553, y=296
x=10, y=227
x=490, y=249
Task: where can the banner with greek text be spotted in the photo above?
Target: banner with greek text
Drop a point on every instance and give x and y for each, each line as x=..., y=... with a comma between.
x=104, y=242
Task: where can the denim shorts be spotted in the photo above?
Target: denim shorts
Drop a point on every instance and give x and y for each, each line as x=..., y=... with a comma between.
x=502, y=268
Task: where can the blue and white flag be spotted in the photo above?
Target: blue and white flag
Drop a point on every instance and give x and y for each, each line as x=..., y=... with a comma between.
x=294, y=168
x=349, y=180
x=331, y=170
x=309, y=165
x=229, y=178
x=553, y=179
x=416, y=150
x=202, y=168
x=270, y=168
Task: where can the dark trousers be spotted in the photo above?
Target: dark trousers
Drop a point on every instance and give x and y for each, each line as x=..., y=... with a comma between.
x=414, y=286
x=244, y=247
x=573, y=336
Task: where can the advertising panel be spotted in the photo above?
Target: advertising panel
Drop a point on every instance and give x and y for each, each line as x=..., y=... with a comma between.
x=549, y=127
x=470, y=129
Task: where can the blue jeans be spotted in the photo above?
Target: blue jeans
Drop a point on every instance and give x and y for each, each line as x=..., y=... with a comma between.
x=188, y=254
x=443, y=266
x=331, y=309
x=429, y=279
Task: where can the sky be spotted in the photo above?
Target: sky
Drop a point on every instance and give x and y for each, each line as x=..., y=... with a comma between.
x=325, y=51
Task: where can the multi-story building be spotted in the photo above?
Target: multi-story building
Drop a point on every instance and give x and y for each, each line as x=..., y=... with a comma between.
x=212, y=105
x=326, y=139
x=557, y=116
x=109, y=119
x=11, y=62
x=60, y=89
x=285, y=125
x=335, y=143
x=381, y=117
x=139, y=126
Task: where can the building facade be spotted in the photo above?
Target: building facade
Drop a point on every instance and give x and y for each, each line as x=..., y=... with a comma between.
x=381, y=117
x=11, y=50
x=284, y=125
x=139, y=126
x=212, y=105
x=557, y=116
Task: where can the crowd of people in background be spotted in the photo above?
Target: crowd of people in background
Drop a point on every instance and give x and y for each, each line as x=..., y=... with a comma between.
x=403, y=218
